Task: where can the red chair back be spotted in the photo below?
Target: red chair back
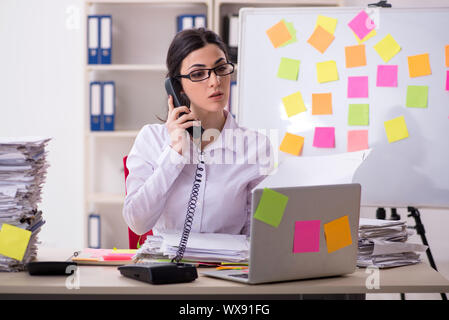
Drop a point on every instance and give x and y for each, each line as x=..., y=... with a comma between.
x=135, y=240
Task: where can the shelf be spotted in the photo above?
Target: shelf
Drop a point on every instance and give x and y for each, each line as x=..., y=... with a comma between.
x=113, y=134
x=126, y=2
x=126, y=67
x=104, y=198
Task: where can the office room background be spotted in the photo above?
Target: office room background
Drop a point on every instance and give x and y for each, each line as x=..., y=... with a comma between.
x=43, y=76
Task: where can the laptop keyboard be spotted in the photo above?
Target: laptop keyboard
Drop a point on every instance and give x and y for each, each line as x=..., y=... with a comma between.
x=240, y=275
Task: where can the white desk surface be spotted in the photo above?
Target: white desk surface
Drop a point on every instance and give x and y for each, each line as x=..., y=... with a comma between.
x=107, y=280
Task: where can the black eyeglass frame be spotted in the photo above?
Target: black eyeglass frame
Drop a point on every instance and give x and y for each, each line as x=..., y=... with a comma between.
x=209, y=72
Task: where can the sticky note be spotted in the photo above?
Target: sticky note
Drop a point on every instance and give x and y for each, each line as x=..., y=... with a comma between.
x=324, y=137
x=292, y=143
x=361, y=24
x=327, y=23
x=278, y=34
x=288, y=69
x=321, y=103
x=447, y=56
x=292, y=31
x=326, y=71
x=357, y=140
x=387, y=76
x=13, y=241
x=396, y=129
x=321, y=39
x=337, y=234
x=355, y=56
x=417, y=96
x=367, y=37
x=294, y=104
x=307, y=236
x=419, y=65
x=387, y=48
x=358, y=115
x=358, y=87
x=447, y=80
x=271, y=207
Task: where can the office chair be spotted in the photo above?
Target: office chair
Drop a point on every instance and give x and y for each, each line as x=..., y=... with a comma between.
x=135, y=240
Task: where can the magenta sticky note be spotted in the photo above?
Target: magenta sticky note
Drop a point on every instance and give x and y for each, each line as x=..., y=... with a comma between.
x=307, y=236
x=447, y=80
x=324, y=137
x=361, y=24
x=358, y=87
x=387, y=76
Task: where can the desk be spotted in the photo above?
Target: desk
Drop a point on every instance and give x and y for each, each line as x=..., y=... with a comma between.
x=107, y=282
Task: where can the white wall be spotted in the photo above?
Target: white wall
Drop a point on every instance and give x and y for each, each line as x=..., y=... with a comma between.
x=41, y=93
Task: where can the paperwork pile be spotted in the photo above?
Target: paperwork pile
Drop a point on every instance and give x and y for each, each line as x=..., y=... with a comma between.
x=203, y=247
x=383, y=244
x=23, y=170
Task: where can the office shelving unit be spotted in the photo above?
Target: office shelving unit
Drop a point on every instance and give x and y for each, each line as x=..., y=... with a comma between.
x=141, y=33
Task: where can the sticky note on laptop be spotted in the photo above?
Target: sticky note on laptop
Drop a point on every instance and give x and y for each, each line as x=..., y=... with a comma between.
x=271, y=207
x=337, y=234
x=307, y=236
x=13, y=241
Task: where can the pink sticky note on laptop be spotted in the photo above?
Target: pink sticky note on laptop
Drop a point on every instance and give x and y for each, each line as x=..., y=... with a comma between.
x=361, y=24
x=324, y=137
x=307, y=236
x=358, y=87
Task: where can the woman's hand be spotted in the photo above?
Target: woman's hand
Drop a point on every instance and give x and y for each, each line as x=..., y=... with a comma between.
x=176, y=125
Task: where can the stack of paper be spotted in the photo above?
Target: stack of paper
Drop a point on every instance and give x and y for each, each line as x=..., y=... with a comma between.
x=204, y=247
x=383, y=244
x=23, y=170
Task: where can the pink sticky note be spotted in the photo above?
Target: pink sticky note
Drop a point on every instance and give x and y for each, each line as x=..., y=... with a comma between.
x=324, y=137
x=307, y=236
x=357, y=140
x=358, y=87
x=447, y=80
x=361, y=24
x=387, y=76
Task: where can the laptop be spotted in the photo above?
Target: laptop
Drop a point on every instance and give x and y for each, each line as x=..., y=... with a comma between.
x=272, y=257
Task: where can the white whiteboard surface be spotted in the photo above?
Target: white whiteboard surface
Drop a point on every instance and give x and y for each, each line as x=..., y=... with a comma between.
x=410, y=172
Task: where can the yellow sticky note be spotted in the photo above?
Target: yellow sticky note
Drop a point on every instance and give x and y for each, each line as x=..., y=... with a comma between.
x=294, y=104
x=419, y=65
x=292, y=143
x=387, y=48
x=337, y=234
x=367, y=37
x=329, y=24
x=14, y=241
x=326, y=71
x=396, y=129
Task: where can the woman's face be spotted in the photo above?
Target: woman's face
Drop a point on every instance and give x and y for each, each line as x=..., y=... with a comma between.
x=212, y=94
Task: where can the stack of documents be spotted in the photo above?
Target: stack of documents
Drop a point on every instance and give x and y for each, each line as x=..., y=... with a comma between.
x=201, y=247
x=23, y=168
x=383, y=244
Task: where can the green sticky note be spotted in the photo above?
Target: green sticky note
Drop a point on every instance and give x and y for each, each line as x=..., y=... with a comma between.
x=417, y=96
x=14, y=241
x=358, y=115
x=271, y=207
x=288, y=69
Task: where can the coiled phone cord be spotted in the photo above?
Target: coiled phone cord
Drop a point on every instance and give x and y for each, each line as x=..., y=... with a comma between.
x=191, y=207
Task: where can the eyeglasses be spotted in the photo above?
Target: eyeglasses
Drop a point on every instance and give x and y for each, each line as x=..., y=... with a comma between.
x=203, y=74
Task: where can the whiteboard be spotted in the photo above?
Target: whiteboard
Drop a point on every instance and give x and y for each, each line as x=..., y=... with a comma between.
x=410, y=172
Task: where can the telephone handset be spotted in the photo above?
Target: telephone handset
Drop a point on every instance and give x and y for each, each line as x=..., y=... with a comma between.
x=182, y=100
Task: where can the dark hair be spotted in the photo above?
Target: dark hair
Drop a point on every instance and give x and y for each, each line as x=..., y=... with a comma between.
x=181, y=46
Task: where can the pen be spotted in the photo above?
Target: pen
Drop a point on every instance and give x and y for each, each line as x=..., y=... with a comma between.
x=231, y=268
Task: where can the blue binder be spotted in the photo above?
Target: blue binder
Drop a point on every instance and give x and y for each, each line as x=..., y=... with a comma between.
x=95, y=105
x=94, y=231
x=105, y=39
x=93, y=39
x=189, y=21
x=108, y=98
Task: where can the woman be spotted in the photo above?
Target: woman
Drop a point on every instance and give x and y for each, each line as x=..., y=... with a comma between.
x=163, y=162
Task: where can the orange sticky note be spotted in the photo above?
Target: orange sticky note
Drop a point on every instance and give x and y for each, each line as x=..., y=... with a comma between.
x=278, y=34
x=291, y=143
x=355, y=56
x=447, y=56
x=419, y=65
x=337, y=234
x=321, y=103
x=321, y=39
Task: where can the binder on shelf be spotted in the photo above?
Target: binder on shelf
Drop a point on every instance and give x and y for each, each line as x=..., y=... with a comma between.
x=231, y=35
x=189, y=21
x=108, y=105
x=94, y=231
x=95, y=106
x=105, y=39
x=93, y=39
x=200, y=21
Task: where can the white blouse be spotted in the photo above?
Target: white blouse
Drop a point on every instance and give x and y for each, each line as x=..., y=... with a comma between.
x=160, y=180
